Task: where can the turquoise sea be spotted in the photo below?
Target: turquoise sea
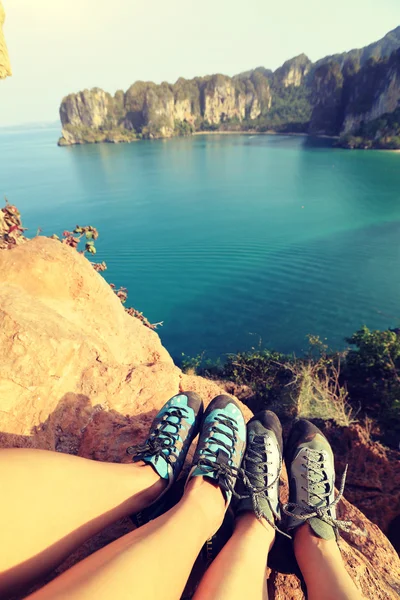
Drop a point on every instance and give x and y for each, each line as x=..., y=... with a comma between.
x=232, y=241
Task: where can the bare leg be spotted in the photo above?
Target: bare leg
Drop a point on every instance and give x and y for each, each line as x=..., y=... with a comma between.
x=150, y=563
x=322, y=567
x=239, y=570
x=50, y=503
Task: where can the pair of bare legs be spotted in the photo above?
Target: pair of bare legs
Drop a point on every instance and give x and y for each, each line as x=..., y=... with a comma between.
x=51, y=503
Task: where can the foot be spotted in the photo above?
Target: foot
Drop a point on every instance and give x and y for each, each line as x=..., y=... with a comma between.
x=262, y=465
x=221, y=445
x=310, y=463
x=171, y=434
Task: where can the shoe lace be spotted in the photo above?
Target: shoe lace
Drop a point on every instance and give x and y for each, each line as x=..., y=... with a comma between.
x=318, y=487
x=161, y=442
x=257, y=454
x=219, y=462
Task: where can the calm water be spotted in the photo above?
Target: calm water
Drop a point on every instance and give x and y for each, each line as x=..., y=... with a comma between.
x=227, y=239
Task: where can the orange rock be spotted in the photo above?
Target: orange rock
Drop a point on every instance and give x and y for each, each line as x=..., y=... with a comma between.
x=79, y=375
x=373, y=478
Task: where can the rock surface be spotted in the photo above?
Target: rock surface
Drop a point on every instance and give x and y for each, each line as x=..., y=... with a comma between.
x=294, y=71
x=375, y=91
x=5, y=67
x=373, y=477
x=371, y=562
x=79, y=375
x=327, y=93
x=52, y=299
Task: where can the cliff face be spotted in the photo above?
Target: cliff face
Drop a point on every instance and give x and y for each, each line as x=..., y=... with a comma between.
x=375, y=92
x=327, y=90
x=155, y=110
x=294, y=71
x=79, y=375
x=222, y=101
x=5, y=67
x=335, y=95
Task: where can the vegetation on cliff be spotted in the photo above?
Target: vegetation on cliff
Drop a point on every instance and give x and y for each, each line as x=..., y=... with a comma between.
x=360, y=383
x=382, y=133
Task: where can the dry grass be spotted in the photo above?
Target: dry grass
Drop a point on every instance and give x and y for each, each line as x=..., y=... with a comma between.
x=319, y=395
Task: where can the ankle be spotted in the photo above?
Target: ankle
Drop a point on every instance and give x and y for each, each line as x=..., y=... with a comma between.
x=209, y=502
x=305, y=538
x=153, y=485
x=247, y=524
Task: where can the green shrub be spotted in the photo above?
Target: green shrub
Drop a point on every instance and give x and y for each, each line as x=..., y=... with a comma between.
x=362, y=382
x=372, y=375
x=205, y=125
x=383, y=133
x=183, y=128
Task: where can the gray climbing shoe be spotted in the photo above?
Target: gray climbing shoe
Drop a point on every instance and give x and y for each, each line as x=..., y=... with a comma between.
x=310, y=463
x=258, y=485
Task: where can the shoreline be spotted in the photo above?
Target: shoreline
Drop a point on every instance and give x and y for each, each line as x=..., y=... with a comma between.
x=271, y=132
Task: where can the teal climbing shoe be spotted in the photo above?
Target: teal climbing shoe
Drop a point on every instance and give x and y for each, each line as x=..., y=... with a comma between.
x=221, y=444
x=171, y=434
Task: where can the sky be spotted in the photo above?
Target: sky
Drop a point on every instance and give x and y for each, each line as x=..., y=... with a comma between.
x=61, y=46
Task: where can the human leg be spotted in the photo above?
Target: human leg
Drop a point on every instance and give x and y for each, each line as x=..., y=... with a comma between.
x=155, y=560
x=151, y=562
x=322, y=567
x=51, y=503
x=312, y=514
x=239, y=569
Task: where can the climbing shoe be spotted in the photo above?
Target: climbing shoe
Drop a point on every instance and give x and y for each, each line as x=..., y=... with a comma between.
x=221, y=444
x=258, y=484
x=171, y=433
x=310, y=464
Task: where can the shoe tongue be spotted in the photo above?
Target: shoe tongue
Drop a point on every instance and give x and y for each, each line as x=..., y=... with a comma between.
x=168, y=426
x=258, y=468
x=319, y=483
x=259, y=439
x=222, y=435
x=257, y=428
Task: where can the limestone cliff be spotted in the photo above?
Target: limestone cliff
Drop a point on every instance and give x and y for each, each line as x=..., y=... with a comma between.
x=5, y=67
x=293, y=71
x=222, y=101
x=375, y=92
x=81, y=376
x=327, y=90
x=149, y=110
x=334, y=95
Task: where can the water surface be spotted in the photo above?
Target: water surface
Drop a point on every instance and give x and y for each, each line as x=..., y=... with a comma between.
x=232, y=241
